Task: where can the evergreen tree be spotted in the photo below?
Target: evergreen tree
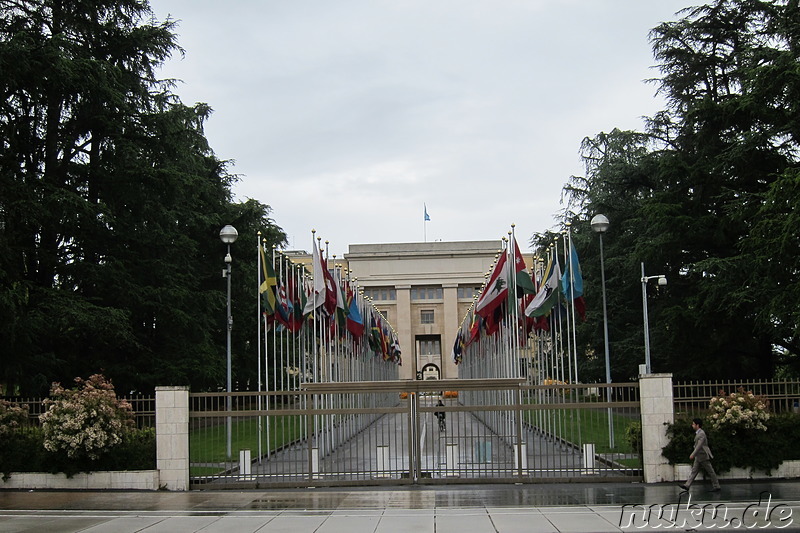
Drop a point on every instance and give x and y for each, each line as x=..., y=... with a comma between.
x=704, y=199
x=111, y=207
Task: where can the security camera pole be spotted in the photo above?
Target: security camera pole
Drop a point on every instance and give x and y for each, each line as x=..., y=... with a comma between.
x=662, y=280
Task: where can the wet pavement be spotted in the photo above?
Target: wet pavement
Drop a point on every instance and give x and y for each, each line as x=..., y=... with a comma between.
x=564, y=507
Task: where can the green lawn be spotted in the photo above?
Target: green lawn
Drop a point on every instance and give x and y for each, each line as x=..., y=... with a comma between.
x=581, y=426
x=209, y=444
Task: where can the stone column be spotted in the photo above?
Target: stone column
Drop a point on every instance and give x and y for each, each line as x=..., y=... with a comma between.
x=407, y=345
x=655, y=393
x=451, y=323
x=172, y=437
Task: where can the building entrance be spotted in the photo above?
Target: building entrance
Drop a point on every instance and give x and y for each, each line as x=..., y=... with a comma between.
x=431, y=371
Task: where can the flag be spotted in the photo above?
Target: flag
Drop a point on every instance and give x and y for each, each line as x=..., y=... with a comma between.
x=384, y=341
x=526, y=322
x=374, y=337
x=319, y=290
x=296, y=301
x=491, y=323
x=458, y=347
x=397, y=355
x=268, y=286
x=305, y=293
x=474, y=329
x=572, y=282
x=523, y=279
x=341, y=310
x=285, y=310
x=496, y=288
x=355, y=324
x=331, y=291
x=547, y=296
x=427, y=216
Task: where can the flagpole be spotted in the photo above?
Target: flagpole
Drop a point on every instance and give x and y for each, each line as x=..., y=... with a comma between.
x=276, y=354
x=568, y=328
x=258, y=331
x=572, y=298
x=513, y=335
x=314, y=310
x=513, y=332
x=314, y=439
x=559, y=323
x=330, y=350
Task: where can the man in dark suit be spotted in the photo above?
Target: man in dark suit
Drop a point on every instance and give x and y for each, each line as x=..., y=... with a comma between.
x=702, y=457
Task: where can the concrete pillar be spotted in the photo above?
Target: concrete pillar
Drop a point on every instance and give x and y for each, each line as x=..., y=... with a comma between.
x=655, y=393
x=451, y=324
x=407, y=345
x=172, y=437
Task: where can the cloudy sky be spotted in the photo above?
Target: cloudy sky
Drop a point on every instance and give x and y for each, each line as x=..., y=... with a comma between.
x=347, y=116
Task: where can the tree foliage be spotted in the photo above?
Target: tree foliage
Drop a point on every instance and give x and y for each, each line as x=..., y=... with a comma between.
x=111, y=206
x=707, y=196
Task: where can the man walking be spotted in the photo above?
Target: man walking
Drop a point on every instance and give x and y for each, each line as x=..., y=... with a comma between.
x=702, y=457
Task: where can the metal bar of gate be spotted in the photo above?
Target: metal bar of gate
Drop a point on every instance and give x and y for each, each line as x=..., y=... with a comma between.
x=397, y=440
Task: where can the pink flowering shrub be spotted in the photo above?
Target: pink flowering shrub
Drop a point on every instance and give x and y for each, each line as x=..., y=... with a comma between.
x=12, y=417
x=85, y=421
x=738, y=410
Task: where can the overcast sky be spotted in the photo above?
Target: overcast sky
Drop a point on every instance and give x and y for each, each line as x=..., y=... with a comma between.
x=347, y=116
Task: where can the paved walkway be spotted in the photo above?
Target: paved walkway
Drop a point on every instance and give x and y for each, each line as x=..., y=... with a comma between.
x=468, y=448
x=567, y=507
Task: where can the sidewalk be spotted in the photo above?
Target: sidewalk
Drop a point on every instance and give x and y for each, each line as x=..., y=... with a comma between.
x=567, y=507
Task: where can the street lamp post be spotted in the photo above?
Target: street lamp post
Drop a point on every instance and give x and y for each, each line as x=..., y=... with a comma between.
x=228, y=235
x=662, y=280
x=600, y=224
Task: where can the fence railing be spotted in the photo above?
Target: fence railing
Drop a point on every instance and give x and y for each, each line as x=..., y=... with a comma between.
x=414, y=432
x=692, y=397
x=144, y=408
x=284, y=436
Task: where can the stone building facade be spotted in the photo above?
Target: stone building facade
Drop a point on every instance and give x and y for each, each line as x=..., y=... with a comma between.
x=424, y=290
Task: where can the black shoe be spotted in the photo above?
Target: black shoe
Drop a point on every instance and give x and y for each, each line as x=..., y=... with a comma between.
x=716, y=489
x=684, y=487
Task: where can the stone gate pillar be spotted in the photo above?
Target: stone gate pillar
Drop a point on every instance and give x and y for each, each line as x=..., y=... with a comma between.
x=172, y=437
x=655, y=393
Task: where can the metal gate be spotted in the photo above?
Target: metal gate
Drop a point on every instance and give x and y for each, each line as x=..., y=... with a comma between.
x=388, y=432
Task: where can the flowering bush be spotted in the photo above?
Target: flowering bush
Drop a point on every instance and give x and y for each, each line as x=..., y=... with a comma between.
x=781, y=438
x=86, y=421
x=12, y=417
x=738, y=410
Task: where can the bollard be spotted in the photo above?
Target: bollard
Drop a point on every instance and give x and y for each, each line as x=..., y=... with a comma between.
x=383, y=461
x=315, y=463
x=452, y=459
x=245, y=465
x=588, y=459
x=524, y=451
x=483, y=451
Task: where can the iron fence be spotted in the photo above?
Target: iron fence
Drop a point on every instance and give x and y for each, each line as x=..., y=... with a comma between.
x=691, y=398
x=600, y=425
x=143, y=406
x=448, y=431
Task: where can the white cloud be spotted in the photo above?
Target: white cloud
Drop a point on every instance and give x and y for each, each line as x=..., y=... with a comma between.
x=346, y=116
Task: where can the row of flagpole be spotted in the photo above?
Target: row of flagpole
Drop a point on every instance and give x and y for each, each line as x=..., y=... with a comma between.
x=316, y=325
x=524, y=317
